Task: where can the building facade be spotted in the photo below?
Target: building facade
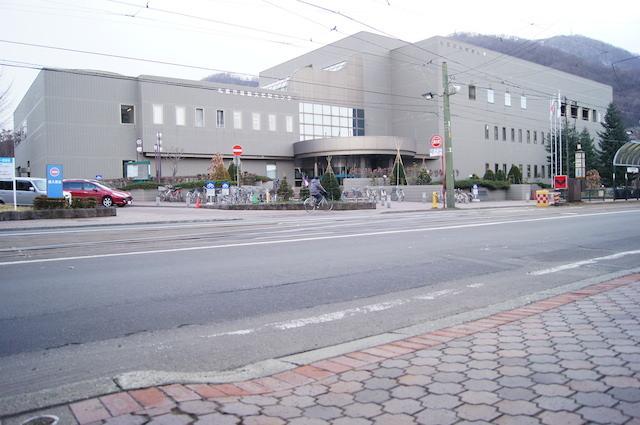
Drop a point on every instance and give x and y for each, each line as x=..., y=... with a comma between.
x=357, y=103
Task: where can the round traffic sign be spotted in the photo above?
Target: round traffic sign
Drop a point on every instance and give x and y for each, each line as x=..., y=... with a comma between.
x=436, y=141
x=54, y=171
x=237, y=150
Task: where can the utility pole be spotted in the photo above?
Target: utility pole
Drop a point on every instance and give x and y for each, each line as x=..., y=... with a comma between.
x=449, y=182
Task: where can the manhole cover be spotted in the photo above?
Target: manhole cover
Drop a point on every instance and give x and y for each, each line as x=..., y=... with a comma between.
x=41, y=420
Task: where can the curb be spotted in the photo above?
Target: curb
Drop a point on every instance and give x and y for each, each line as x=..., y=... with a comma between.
x=149, y=391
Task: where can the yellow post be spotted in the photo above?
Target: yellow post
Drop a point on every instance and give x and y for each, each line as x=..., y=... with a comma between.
x=434, y=200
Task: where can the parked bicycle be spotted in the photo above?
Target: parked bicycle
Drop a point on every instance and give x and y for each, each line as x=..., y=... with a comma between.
x=172, y=195
x=462, y=197
x=310, y=204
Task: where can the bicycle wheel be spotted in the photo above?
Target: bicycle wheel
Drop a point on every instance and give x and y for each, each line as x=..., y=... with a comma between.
x=309, y=204
x=326, y=205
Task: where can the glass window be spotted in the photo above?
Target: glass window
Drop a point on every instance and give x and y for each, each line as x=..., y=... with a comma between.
x=289, y=123
x=317, y=109
x=360, y=113
x=345, y=122
x=523, y=102
x=335, y=111
x=199, y=122
x=308, y=118
x=344, y=112
x=335, y=131
x=472, y=92
x=520, y=135
x=335, y=121
x=507, y=99
x=528, y=136
x=513, y=134
x=317, y=119
x=326, y=120
x=486, y=132
x=256, y=120
x=490, y=96
x=220, y=118
x=326, y=109
x=300, y=107
x=585, y=114
x=181, y=115
x=23, y=185
x=308, y=108
x=127, y=115
x=528, y=171
x=535, y=137
x=308, y=129
x=272, y=171
x=237, y=120
x=157, y=114
x=495, y=132
x=343, y=132
x=272, y=122
x=504, y=133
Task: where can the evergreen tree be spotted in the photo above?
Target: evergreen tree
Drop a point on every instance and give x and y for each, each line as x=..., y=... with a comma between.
x=423, y=177
x=514, y=175
x=284, y=190
x=612, y=137
x=304, y=192
x=330, y=183
x=588, y=146
x=500, y=176
x=233, y=171
x=398, y=171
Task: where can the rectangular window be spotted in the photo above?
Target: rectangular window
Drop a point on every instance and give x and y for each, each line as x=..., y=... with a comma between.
x=535, y=137
x=496, y=167
x=486, y=132
x=495, y=132
x=535, y=171
x=490, y=97
x=594, y=116
x=520, y=135
x=289, y=123
x=127, y=115
x=199, y=118
x=585, y=114
x=158, y=114
x=256, y=120
x=542, y=171
x=513, y=134
x=181, y=115
x=272, y=122
x=237, y=120
x=472, y=92
x=528, y=171
x=504, y=133
x=507, y=99
x=574, y=111
x=523, y=102
x=528, y=136
x=219, y=118
x=272, y=171
x=563, y=109
x=504, y=168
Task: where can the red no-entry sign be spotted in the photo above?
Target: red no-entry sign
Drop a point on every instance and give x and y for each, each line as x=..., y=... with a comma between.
x=237, y=150
x=436, y=141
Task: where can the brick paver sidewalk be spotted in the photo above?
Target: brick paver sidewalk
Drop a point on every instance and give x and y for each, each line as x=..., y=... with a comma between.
x=571, y=359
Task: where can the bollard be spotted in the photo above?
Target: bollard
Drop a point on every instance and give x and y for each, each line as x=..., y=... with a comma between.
x=157, y=201
x=388, y=201
x=424, y=197
x=434, y=200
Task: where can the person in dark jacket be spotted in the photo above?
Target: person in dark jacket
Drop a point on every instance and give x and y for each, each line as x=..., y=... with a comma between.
x=316, y=189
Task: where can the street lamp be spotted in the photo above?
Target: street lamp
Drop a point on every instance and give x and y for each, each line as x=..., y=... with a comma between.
x=580, y=162
x=138, y=149
x=157, y=148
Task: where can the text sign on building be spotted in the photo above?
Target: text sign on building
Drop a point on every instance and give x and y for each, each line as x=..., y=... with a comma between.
x=237, y=150
x=7, y=168
x=560, y=182
x=632, y=169
x=54, y=181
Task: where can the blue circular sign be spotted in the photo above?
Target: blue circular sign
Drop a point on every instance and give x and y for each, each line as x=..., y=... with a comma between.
x=225, y=185
x=211, y=185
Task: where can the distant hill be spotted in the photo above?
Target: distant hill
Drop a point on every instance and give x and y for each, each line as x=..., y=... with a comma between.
x=577, y=55
x=229, y=78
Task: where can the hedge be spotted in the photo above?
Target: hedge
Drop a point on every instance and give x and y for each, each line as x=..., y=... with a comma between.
x=489, y=184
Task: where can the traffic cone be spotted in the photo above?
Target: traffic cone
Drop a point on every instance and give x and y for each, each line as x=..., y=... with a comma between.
x=198, y=202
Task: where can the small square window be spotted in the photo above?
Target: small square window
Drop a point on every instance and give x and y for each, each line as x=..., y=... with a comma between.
x=199, y=118
x=507, y=99
x=158, y=114
x=272, y=122
x=256, y=120
x=472, y=92
x=219, y=118
x=490, y=96
x=127, y=115
x=237, y=120
x=523, y=102
x=180, y=115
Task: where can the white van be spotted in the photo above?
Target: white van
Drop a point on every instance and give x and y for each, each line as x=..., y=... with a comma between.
x=27, y=188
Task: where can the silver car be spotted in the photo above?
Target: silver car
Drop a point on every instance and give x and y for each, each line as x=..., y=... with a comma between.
x=27, y=188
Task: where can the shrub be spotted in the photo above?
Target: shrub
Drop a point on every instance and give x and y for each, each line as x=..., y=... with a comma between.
x=141, y=185
x=500, y=176
x=489, y=184
x=423, y=177
x=330, y=183
x=304, y=192
x=83, y=203
x=284, y=190
x=514, y=175
x=44, y=203
x=488, y=175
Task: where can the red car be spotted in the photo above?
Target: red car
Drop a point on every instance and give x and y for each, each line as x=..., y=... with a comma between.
x=103, y=194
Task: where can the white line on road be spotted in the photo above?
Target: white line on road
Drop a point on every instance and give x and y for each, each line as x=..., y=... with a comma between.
x=307, y=239
x=338, y=315
x=583, y=263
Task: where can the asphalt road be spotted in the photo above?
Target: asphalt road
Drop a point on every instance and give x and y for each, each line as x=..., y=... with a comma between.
x=83, y=303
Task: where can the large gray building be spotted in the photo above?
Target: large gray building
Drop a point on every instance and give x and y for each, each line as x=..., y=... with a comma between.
x=358, y=101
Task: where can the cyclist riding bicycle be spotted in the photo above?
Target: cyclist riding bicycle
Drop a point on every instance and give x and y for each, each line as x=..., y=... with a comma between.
x=316, y=190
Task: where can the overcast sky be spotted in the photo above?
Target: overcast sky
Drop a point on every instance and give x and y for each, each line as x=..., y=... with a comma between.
x=247, y=36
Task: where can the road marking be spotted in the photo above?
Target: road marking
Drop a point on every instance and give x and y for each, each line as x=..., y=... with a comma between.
x=338, y=315
x=583, y=263
x=306, y=239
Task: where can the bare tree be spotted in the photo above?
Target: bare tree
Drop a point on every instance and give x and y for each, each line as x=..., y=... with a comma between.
x=175, y=155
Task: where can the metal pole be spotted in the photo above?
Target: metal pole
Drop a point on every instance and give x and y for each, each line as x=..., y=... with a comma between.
x=448, y=148
x=560, y=130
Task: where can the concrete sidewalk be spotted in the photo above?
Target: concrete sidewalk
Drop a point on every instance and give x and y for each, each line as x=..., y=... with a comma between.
x=570, y=359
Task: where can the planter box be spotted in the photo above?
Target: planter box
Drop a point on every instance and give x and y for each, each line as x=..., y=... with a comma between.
x=338, y=206
x=67, y=213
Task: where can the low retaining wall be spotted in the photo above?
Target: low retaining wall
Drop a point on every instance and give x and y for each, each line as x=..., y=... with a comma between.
x=69, y=213
x=337, y=206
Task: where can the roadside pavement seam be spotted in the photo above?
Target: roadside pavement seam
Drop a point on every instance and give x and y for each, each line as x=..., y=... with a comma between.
x=160, y=400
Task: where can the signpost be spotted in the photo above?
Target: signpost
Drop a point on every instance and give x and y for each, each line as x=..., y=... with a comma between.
x=560, y=182
x=436, y=151
x=54, y=181
x=237, y=152
x=8, y=171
